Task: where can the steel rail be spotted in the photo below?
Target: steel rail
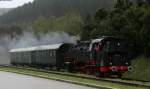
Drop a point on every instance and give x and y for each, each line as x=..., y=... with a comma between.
x=130, y=83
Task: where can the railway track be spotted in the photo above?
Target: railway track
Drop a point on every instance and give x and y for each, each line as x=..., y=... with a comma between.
x=119, y=81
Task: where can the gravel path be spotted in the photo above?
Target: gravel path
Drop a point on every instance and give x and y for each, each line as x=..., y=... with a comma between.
x=17, y=81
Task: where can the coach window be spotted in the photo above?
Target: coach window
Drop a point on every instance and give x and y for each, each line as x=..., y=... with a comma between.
x=13, y=56
x=38, y=53
x=50, y=53
x=54, y=53
x=45, y=52
x=42, y=53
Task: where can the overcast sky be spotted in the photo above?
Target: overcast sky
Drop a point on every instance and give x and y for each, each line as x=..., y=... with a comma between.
x=13, y=3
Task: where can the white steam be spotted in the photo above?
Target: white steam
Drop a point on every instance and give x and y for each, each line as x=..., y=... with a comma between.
x=28, y=39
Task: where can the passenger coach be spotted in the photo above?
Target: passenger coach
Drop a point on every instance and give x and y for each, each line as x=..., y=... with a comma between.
x=40, y=56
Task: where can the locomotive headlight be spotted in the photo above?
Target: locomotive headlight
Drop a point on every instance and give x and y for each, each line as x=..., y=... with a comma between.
x=118, y=44
x=67, y=63
x=127, y=63
x=110, y=63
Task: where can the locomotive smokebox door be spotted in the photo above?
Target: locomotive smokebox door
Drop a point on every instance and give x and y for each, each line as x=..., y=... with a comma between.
x=62, y=55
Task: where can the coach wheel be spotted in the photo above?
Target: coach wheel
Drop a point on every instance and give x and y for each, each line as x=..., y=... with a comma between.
x=87, y=70
x=70, y=68
x=57, y=68
x=97, y=74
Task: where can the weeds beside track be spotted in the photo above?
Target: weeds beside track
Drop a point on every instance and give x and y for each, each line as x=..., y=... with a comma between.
x=81, y=77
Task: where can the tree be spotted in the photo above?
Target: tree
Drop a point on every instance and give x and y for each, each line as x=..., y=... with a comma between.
x=87, y=28
x=42, y=25
x=127, y=22
x=123, y=4
x=100, y=15
x=70, y=23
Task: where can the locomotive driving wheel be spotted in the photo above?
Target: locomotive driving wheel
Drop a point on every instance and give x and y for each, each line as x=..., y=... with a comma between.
x=87, y=70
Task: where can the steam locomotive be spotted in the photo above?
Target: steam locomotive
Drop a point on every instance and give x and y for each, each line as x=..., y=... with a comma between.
x=103, y=56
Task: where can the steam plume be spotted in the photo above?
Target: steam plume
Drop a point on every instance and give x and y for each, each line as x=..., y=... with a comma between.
x=28, y=39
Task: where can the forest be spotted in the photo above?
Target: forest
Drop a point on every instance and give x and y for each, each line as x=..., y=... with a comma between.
x=127, y=19
x=55, y=8
x=88, y=19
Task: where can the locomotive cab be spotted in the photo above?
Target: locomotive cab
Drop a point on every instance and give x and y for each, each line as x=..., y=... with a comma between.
x=110, y=55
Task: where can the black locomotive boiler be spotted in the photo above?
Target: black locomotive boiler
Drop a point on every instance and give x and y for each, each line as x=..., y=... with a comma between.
x=101, y=57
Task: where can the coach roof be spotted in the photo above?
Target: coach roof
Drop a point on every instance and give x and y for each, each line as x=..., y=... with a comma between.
x=35, y=48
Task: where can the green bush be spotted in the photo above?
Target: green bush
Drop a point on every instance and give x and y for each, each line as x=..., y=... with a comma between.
x=141, y=69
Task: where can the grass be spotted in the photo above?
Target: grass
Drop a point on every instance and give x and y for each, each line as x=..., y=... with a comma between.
x=82, y=81
x=141, y=69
